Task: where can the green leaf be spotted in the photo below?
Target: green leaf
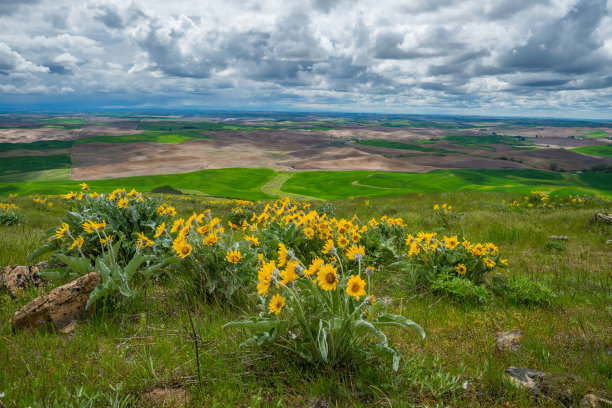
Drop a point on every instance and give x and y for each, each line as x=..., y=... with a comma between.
x=259, y=338
x=135, y=263
x=76, y=263
x=255, y=323
x=322, y=341
x=364, y=327
x=384, y=350
x=105, y=271
x=398, y=321
x=302, y=348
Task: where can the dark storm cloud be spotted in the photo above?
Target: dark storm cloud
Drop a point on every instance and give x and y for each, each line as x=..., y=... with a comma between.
x=566, y=45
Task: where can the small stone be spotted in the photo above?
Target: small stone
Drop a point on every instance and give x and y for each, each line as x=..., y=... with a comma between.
x=509, y=341
x=167, y=397
x=17, y=278
x=69, y=328
x=525, y=378
x=602, y=217
x=559, y=237
x=593, y=401
x=61, y=306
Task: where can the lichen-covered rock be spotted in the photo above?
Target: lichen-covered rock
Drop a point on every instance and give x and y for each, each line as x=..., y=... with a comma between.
x=593, y=401
x=61, y=306
x=16, y=278
x=509, y=341
x=525, y=377
x=603, y=218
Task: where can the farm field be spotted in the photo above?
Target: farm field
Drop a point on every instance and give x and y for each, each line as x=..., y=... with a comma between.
x=127, y=351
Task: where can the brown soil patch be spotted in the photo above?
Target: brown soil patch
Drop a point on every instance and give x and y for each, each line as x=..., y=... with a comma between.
x=167, y=397
x=19, y=153
x=24, y=135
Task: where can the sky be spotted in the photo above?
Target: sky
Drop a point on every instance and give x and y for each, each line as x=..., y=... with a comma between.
x=480, y=57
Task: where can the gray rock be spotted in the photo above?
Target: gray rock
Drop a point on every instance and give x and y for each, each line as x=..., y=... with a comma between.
x=559, y=237
x=61, y=306
x=602, y=217
x=525, y=378
x=593, y=401
x=509, y=341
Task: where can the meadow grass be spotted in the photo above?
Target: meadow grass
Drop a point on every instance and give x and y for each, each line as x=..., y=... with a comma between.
x=145, y=344
x=596, y=134
x=601, y=150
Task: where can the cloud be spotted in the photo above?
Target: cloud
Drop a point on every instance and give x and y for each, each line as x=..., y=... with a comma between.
x=12, y=62
x=8, y=7
x=378, y=54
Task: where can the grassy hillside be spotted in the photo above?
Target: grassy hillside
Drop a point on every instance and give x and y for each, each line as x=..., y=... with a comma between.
x=231, y=183
x=25, y=164
x=601, y=150
x=331, y=185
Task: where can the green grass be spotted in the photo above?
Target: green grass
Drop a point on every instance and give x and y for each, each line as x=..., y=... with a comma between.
x=596, y=134
x=401, y=145
x=332, y=185
x=145, y=344
x=172, y=126
x=485, y=140
x=231, y=183
x=148, y=136
x=601, y=150
x=39, y=145
x=25, y=164
x=326, y=185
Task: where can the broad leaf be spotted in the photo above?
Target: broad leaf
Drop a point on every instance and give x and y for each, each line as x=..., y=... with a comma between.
x=322, y=341
x=398, y=321
x=76, y=263
x=255, y=323
x=364, y=327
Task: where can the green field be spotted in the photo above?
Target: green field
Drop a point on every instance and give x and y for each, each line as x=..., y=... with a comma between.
x=596, y=134
x=148, y=136
x=330, y=185
x=39, y=145
x=485, y=140
x=231, y=183
x=25, y=164
x=403, y=146
x=173, y=126
x=601, y=150
x=326, y=185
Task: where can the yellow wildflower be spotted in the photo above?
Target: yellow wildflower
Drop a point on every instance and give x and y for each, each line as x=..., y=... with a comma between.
x=328, y=277
x=276, y=304
x=77, y=243
x=356, y=252
x=233, y=256
x=159, y=230
x=460, y=269
x=355, y=286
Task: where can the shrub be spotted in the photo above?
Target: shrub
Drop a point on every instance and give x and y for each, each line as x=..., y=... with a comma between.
x=129, y=217
x=9, y=214
x=554, y=245
x=431, y=257
x=211, y=262
x=166, y=190
x=460, y=289
x=522, y=291
x=323, y=312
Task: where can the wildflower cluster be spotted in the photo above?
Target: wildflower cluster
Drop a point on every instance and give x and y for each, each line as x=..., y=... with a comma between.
x=443, y=208
x=324, y=311
x=9, y=214
x=453, y=256
x=41, y=202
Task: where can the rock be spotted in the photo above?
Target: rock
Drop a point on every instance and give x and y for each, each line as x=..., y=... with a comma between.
x=593, y=401
x=602, y=217
x=559, y=237
x=509, y=341
x=167, y=397
x=16, y=278
x=525, y=377
x=61, y=306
